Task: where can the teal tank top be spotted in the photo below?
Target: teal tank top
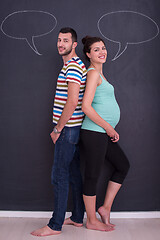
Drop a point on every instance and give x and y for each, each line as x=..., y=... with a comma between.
x=105, y=104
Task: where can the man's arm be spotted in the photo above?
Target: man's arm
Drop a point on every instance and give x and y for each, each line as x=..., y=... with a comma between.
x=71, y=104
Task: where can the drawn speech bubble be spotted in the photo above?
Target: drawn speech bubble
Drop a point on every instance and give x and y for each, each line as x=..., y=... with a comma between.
x=28, y=25
x=127, y=27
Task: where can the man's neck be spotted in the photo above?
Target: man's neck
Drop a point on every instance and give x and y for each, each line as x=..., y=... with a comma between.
x=68, y=57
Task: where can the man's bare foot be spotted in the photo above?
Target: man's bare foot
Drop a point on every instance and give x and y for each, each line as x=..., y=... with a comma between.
x=105, y=216
x=97, y=225
x=68, y=221
x=45, y=231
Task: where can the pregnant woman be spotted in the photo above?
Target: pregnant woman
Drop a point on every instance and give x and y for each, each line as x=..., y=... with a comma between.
x=98, y=138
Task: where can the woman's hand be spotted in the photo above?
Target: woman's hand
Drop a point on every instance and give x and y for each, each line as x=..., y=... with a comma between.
x=112, y=134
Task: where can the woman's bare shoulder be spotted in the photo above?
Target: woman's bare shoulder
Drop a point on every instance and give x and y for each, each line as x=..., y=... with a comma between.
x=93, y=74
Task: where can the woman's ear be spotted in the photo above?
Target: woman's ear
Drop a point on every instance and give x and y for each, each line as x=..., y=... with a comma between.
x=88, y=55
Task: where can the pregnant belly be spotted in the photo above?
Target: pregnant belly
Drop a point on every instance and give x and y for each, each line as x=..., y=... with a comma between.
x=109, y=111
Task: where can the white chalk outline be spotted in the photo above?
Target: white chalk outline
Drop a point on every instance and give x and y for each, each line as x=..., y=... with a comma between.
x=24, y=11
x=125, y=11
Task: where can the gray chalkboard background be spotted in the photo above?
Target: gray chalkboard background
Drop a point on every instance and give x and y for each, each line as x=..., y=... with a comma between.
x=27, y=88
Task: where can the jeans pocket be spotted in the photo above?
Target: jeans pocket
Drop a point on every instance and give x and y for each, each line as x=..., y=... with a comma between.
x=62, y=135
x=74, y=135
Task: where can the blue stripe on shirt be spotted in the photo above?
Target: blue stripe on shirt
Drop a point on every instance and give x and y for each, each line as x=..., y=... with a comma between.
x=60, y=94
x=73, y=74
x=74, y=114
x=61, y=77
x=55, y=111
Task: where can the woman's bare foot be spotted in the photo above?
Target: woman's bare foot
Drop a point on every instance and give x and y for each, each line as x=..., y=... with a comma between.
x=45, y=231
x=97, y=225
x=105, y=216
x=68, y=221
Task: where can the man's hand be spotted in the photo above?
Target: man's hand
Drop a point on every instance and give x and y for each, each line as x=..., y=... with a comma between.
x=54, y=136
x=72, y=101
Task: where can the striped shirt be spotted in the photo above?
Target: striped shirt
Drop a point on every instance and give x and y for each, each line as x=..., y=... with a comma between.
x=73, y=71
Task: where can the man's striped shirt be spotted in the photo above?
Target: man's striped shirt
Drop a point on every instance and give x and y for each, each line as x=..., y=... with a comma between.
x=73, y=71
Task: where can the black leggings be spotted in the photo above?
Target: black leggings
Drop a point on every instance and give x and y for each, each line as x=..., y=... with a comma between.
x=95, y=148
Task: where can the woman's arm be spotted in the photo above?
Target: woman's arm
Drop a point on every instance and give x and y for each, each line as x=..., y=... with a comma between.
x=93, y=79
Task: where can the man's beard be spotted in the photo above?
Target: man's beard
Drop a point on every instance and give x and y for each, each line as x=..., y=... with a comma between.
x=67, y=52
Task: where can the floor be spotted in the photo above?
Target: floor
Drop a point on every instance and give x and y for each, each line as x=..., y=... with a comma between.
x=126, y=229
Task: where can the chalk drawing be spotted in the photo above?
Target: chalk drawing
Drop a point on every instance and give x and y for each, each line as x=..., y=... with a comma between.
x=29, y=20
x=128, y=22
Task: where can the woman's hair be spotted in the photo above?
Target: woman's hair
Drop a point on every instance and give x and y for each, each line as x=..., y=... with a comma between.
x=87, y=42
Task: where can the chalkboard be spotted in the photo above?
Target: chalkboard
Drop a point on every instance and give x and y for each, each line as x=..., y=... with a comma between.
x=29, y=66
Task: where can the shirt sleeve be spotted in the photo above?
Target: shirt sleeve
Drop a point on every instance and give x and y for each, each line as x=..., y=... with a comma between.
x=74, y=73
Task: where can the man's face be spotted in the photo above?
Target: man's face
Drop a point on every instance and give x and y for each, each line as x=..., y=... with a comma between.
x=64, y=43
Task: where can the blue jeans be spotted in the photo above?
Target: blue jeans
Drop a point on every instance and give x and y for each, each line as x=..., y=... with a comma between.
x=65, y=171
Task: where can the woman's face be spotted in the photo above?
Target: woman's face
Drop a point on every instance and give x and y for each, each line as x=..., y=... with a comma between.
x=98, y=53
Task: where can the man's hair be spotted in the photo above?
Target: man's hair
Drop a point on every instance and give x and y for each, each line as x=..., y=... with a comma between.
x=70, y=30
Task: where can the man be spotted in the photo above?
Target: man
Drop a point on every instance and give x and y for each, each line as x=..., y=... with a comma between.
x=67, y=119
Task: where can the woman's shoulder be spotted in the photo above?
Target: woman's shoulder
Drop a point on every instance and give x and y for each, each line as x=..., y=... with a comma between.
x=92, y=72
x=93, y=76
